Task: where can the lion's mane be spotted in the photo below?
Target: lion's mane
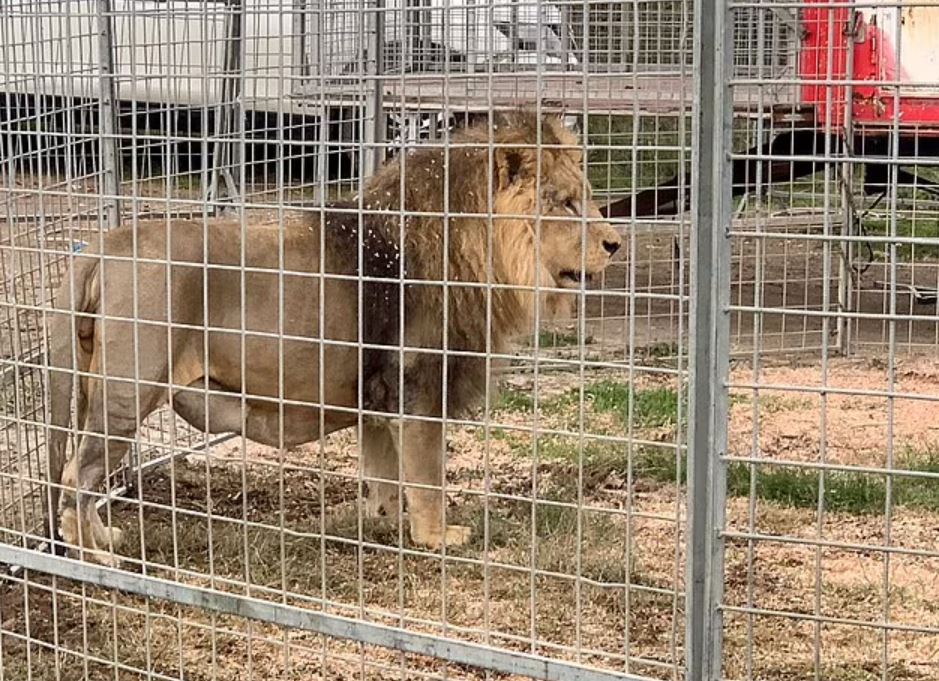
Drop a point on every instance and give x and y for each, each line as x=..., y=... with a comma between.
x=405, y=203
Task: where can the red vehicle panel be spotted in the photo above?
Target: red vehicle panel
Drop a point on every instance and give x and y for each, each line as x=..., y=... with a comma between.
x=895, y=49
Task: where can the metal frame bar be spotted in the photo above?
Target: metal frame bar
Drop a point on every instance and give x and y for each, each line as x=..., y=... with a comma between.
x=107, y=111
x=459, y=652
x=229, y=124
x=845, y=262
x=710, y=338
x=373, y=133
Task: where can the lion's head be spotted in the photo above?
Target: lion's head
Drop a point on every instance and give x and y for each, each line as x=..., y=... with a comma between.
x=575, y=241
x=514, y=205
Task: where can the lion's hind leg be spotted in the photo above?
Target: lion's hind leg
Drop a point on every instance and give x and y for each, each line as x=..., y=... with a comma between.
x=222, y=411
x=107, y=432
x=81, y=525
x=224, y=408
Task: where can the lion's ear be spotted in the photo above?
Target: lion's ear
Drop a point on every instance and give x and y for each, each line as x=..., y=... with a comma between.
x=513, y=165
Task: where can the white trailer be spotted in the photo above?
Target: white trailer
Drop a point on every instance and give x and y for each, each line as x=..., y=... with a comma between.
x=175, y=52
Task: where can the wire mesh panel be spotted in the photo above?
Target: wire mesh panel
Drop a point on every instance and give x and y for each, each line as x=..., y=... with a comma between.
x=394, y=340
x=831, y=466
x=347, y=196
x=47, y=168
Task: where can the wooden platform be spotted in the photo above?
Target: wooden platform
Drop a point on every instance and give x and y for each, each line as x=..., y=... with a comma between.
x=570, y=92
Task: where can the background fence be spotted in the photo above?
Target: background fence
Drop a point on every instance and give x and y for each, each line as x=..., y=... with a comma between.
x=723, y=467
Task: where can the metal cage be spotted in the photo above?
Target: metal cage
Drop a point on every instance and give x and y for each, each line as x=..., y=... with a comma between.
x=719, y=465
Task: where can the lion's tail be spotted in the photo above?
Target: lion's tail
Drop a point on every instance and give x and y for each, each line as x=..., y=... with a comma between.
x=70, y=337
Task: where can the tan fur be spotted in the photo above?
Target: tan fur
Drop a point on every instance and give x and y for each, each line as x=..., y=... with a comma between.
x=171, y=342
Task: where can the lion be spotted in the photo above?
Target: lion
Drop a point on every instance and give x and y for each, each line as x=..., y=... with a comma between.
x=354, y=322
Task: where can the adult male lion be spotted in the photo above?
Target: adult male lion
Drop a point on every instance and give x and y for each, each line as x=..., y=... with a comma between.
x=132, y=356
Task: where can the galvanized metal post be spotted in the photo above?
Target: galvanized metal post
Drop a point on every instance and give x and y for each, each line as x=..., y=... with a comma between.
x=107, y=115
x=843, y=325
x=229, y=123
x=473, y=46
x=319, y=29
x=412, y=34
x=566, y=27
x=374, y=119
x=300, y=62
x=710, y=337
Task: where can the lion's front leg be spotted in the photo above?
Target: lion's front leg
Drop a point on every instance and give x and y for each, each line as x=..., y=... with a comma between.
x=422, y=450
x=380, y=466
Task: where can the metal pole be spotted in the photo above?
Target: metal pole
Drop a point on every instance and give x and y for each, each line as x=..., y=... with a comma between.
x=566, y=25
x=843, y=333
x=412, y=22
x=319, y=50
x=710, y=332
x=107, y=113
x=300, y=66
x=374, y=110
x=230, y=112
x=473, y=47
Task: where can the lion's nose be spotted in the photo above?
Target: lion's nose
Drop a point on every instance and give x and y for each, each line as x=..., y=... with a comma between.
x=611, y=246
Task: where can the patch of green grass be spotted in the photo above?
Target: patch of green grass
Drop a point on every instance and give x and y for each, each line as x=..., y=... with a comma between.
x=651, y=407
x=799, y=488
x=596, y=456
x=852, y=492
x=656, y=407
x=658, y=465
x=189, y=182
x=515, y=400
x=603, y=557
x=608, y=396
x=551, y=520
x=630, y=153
x=558, y=339
x=905, y=228
x=650, y=144
x=857, y=493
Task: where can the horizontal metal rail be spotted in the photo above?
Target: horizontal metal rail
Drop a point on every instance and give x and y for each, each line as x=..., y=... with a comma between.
x=459, y=652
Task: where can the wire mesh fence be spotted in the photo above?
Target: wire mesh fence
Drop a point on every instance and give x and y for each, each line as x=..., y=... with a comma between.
x=822, y=571
x=317, y=454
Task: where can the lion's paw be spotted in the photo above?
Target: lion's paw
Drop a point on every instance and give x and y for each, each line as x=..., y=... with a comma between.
x=455, y=535
x=106, y=537
x=68, y=526
x=103, y=558
x=117, y=536
x=85, y=544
